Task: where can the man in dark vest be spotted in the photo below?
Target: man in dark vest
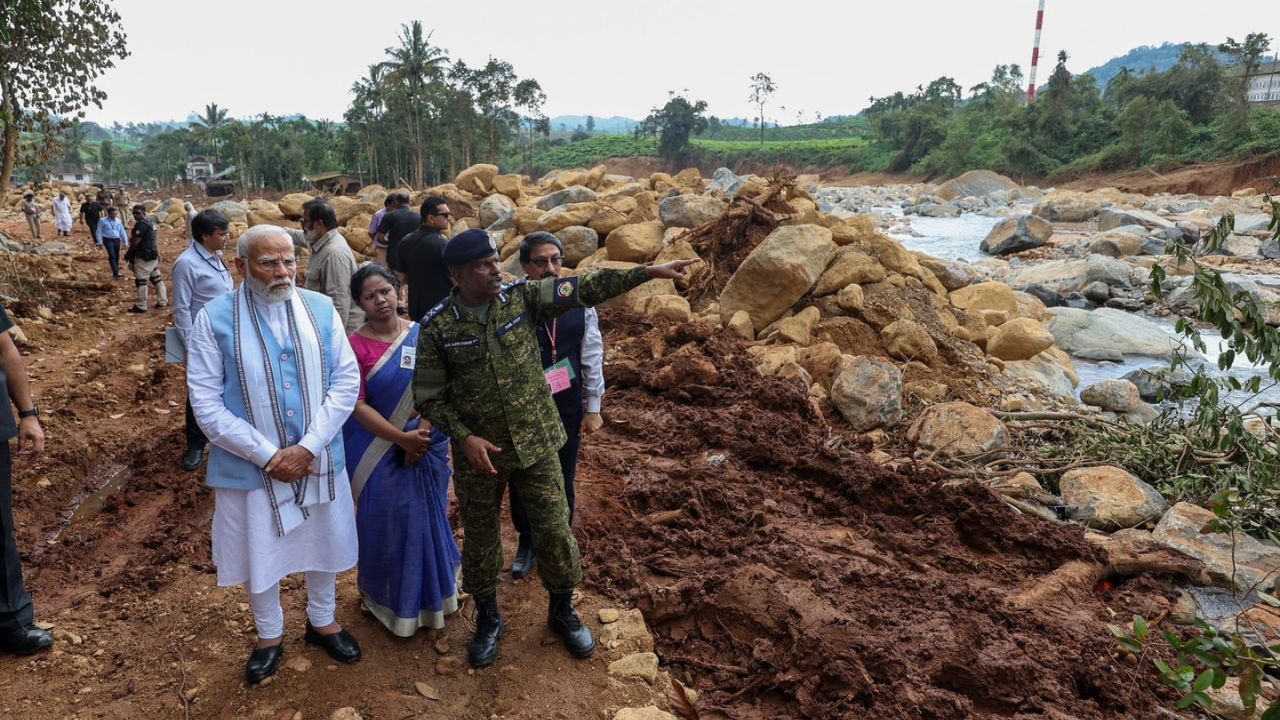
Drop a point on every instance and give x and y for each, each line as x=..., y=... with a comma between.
x=573, y=337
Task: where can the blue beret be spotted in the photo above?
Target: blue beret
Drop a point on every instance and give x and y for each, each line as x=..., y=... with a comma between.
x=469, y=245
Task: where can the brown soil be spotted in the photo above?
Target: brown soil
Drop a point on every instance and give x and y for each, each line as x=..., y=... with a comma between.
x=786, y=576
x=1218, y=178
x=797, y=579
x=115, y=545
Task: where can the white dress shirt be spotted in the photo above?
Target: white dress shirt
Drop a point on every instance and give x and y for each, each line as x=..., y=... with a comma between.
x=198, y=277
x=592, y=362
x=236, y=435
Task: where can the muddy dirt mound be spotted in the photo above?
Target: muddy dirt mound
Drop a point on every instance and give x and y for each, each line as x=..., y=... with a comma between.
x=787, y=576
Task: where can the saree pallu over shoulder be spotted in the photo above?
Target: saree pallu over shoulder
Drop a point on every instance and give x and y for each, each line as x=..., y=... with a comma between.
x=389, y=391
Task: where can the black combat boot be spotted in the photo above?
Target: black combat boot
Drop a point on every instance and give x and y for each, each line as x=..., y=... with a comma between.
x=523, y=564
x=564, y=621
x=489, y=628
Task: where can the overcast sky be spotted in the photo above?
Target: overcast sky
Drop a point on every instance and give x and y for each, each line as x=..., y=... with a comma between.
x=621, y=58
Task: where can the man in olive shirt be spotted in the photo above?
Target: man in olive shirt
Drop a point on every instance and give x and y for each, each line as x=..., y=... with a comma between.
x=420, y=261
x=479, y=379
x=18, y=633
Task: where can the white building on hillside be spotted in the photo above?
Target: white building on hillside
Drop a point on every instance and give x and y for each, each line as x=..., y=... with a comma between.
x=73, y=174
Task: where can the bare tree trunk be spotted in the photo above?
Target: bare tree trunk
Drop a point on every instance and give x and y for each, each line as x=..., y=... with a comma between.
x=12, y=112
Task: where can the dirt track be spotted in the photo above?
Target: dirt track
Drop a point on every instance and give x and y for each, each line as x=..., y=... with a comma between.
x=796, y=580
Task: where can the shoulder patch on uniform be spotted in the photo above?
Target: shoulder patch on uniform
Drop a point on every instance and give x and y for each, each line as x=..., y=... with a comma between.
x=435, y=311
x=565, y=291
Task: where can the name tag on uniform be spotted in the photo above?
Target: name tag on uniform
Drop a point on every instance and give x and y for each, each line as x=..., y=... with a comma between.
x=559, y=376
x=408, y=358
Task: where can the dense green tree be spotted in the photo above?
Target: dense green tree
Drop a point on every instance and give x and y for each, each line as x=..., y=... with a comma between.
x=673, y=124
x=1246, y=57
x=51, y=54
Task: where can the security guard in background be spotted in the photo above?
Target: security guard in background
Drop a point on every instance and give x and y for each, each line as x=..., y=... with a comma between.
x=479, y=379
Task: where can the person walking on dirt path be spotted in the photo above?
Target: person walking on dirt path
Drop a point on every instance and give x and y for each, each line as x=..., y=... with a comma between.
x=32, y=212
x=144, y=259
x=199, y=275
x=420, y=259
x=408, y=569
x=91, y=215
x=62, y=215
x=331, y=265
x=18, y=633
x=111, y=236
x=574, y=336
x=272, y=379
x=479, y=380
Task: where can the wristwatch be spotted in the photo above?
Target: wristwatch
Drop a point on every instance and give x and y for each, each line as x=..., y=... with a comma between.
x=33, y=412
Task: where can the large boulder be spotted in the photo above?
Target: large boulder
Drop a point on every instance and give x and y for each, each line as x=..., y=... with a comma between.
x=1019, y=339
x=636, y=298
x=688, y=211
x=477, y=179
x=235, y=211
x=563, y=216
x=1109, y=334
x=579, y=243
x=991, y=295
x=1114, y=217
x=781, y=269
x=953, y=274
x=907, y=340
x=510, y=185
x=850, y=266
x=261, y=212
x=1117, y=243
x=1072, y=275
x=867, y=392
x=291, y=205
x=1110, y=498
x=1120, y=396
x=1158, y=383
x=637, y=242
x=957, y=428
x=494, y=208
x=1067, y=206
x=1247, y=560
x=1016, y=234
x=572, y=194
x=976, y=183
x=1045, y=371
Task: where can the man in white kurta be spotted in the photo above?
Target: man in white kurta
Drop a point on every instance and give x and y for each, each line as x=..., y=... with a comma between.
x=271, y=380
x=62, y=214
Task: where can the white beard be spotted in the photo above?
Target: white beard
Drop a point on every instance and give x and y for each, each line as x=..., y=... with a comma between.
x=276, y=292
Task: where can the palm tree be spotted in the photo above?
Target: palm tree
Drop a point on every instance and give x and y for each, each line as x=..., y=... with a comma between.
x=210, y=123
x=413, y=65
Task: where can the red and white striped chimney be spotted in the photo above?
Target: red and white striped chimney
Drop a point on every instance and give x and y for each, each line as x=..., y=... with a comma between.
x=1035, y=54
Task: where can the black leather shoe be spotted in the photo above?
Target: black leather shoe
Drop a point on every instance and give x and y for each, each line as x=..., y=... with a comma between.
x=263, y=663
x=193, y=458
x=525, y=560
x=26, y=641
x=483, y=648
x=341, y=646
x=564, y=621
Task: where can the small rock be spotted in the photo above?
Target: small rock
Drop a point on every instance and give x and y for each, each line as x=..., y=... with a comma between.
x=298, y=663
x=636, y=665
x=426, y=691
x=1119, y=396
x=346, y=713
x=448, y=666
x=609, y=615
x=957, y=429
x=190, y=693
x=442, y=646
x=649, y=712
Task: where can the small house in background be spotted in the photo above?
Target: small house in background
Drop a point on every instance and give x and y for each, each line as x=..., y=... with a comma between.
x=201, y=167
x=334, y=183
x=73, y=174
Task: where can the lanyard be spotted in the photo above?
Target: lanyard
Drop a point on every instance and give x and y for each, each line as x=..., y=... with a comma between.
x=220, y=266
x=551, y=335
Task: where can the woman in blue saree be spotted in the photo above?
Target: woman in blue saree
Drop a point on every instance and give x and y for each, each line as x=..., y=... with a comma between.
x=400, y=471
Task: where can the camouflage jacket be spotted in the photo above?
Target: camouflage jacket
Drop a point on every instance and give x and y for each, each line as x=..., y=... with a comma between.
x=486, y=378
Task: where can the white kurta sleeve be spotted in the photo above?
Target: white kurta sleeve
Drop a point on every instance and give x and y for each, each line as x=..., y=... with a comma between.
x=205, y=385
x=344, y=388
x=592, y=362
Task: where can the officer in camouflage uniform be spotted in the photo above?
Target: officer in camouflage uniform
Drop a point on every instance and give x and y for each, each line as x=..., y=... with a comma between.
x=479, y=378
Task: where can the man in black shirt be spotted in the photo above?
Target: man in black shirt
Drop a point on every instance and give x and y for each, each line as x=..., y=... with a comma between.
x=18, y=633
x=396, y=224
x=91, y=213
x=420, y=262
x=144, y=257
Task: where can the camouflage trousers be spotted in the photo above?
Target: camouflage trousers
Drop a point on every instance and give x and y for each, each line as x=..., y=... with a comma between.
x=541, y=487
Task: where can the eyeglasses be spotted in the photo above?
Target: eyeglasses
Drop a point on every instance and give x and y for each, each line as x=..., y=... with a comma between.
x=543, y=262
x=448, y=214
x=273, y=263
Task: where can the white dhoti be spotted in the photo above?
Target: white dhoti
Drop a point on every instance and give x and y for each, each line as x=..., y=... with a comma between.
x=247, y=549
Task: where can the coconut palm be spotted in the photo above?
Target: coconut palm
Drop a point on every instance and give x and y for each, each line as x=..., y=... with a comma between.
x=413, y=66
x=210, y=123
